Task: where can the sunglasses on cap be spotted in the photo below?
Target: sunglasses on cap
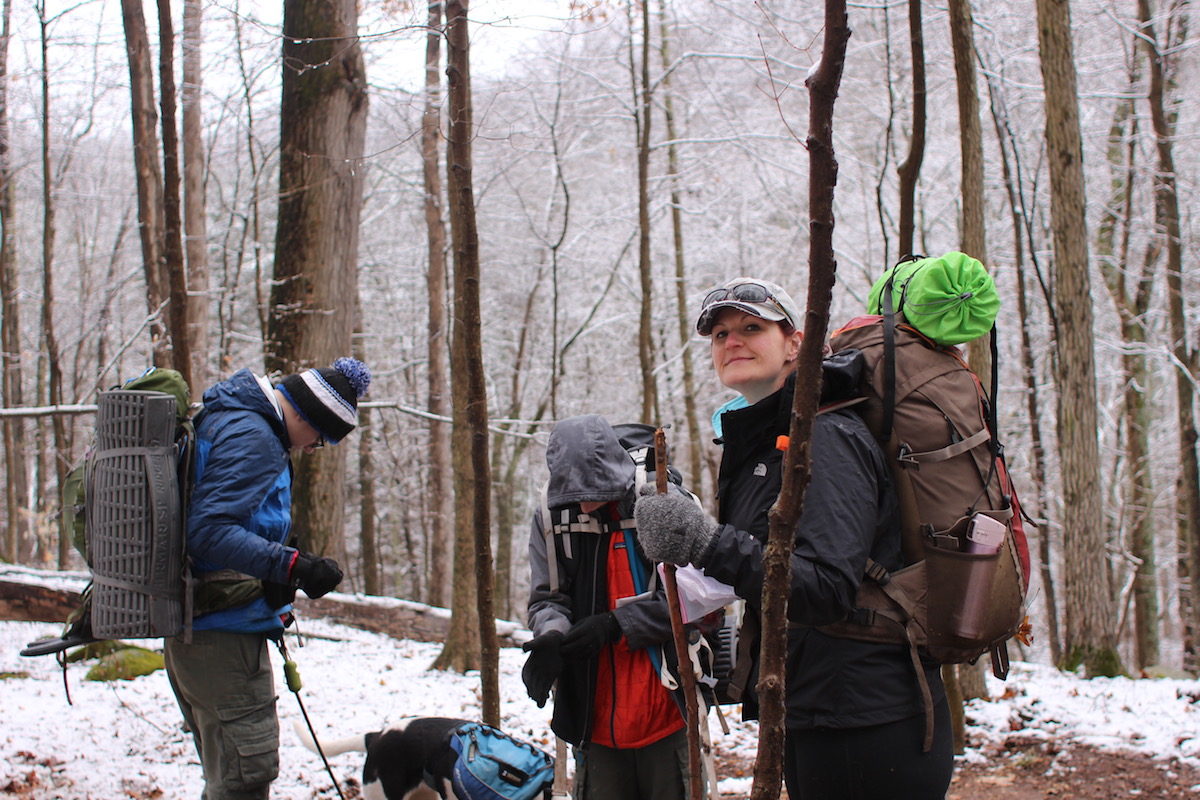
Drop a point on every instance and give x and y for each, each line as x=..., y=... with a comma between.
x=746, y=292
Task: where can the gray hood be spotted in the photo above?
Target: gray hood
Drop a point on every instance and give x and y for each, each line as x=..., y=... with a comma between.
x=587, y=463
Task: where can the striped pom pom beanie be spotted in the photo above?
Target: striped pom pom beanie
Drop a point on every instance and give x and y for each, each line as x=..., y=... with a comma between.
x=327, y=397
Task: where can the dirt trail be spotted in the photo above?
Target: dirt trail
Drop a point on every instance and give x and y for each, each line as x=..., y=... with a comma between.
x=1053, y=770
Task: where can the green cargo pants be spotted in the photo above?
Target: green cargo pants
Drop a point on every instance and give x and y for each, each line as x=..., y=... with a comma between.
x=658, y=771
x=226, y=691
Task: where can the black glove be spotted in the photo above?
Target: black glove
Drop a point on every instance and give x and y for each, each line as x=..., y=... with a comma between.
x=278, y=595
x=316, y=575
x=543, y=666
x=587, y=637
x=672, y=528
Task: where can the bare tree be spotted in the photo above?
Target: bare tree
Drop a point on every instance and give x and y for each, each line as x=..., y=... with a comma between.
x=642, y=97
x=194, y=195
x=1089, y=617
x=54, y=390
x=440, y=508
x=465, y=237
x=1163, y=115
x=149, y=175
x=694, y=438
x=244, y=228
x=175, y=269
x=1130, y=289
x=966, y=681
x=910, y=169
x=323, y=128
x=1021, y=227
x=822, y=83
x=15, y=436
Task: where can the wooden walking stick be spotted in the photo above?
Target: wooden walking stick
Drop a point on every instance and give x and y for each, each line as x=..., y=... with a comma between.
x=686, y=673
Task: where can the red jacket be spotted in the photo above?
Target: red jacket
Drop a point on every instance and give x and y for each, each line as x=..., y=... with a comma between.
x=632, y=707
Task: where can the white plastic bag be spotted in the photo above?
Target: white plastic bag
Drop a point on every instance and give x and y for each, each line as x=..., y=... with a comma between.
x=699, y=594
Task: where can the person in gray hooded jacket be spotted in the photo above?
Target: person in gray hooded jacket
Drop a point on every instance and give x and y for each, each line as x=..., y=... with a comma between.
x=599, y=621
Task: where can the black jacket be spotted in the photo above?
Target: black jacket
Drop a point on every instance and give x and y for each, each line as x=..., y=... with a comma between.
x=849, y=514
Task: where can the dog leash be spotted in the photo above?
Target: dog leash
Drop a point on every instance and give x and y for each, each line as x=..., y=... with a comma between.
x=291, y=674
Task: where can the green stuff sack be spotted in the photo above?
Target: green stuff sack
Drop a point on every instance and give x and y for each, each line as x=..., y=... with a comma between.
x=167, y=381
x=950, y=299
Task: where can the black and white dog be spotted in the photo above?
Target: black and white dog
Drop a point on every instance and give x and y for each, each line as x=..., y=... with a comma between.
x=411, y=760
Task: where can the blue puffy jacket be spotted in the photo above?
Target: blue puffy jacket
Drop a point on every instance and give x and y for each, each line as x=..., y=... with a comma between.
x=240, y=512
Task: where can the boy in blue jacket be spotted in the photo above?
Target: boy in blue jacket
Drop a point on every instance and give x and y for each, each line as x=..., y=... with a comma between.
x=237, y=531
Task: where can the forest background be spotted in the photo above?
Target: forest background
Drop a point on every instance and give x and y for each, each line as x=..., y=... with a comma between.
x=618, y=160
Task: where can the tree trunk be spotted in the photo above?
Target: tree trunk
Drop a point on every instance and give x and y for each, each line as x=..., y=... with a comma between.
x=177, y=308
x=956, y=701
x=1089, y=607
x=322, y=131
x=194, y=219
x=441, y=517
x=974, y=242
x=372, y=570
x=1112, y=250
x=974, y=234
x=465, y=238
x=49, y=339
x=149, y=176
x=784, y=515
x=695, y=438
x=641, y=122
x=910, y=170
x=1020, y=224
x=461, y=651
x=14, y=430
x=1167, y=197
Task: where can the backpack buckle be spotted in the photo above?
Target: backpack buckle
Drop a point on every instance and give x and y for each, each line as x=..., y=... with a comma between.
x=876, y=572
x=862, y=616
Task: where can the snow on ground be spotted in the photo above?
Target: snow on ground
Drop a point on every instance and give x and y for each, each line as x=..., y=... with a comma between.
x=124, y=739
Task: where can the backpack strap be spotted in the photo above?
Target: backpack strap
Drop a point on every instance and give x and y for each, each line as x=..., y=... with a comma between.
x=639, y=457
x=889, y=361
x=739, y=677
x=883, y=579
x=548, y=532
x=993, y=423
x=947, y=452
x=889, y=347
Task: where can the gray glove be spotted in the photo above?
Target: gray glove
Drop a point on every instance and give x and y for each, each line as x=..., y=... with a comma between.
x=672, y=528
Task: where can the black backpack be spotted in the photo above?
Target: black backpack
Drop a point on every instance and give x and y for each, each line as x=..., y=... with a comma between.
x=124, y=507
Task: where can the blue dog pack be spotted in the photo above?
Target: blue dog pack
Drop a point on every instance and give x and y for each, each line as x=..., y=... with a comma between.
x=492, y=765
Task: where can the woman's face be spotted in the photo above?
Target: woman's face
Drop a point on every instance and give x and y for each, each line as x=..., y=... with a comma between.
x=751, y=355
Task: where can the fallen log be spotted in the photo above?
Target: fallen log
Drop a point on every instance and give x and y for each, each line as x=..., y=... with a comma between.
x=31, y=595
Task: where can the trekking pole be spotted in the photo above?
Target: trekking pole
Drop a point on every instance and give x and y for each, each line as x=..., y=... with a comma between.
x=686, y=674
x=292, y=675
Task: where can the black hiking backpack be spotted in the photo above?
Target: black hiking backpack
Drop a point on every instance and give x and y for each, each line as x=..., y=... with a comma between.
x=124, y=508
